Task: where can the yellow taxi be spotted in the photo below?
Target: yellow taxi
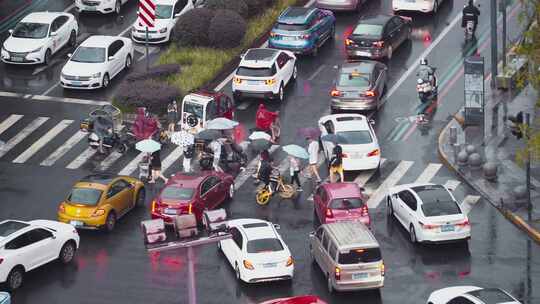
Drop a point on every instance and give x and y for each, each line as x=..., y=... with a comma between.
x=97, y=201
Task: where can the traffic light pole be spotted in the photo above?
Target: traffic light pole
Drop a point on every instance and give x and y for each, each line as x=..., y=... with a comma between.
x=494, y=38
x=528, y=168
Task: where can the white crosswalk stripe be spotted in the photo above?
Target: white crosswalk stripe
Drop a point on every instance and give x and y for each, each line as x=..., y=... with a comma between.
x=468, y=203
x=8, y=122
x=82, y=158
x=133, y=165
x=452, y=184
x=429, y=172
x=109, y=160
x=63, y=149
x=377, y=196
x=34, y=125
x=171, y=158
x=42, y=141
x=250, y=168
x=364, y=176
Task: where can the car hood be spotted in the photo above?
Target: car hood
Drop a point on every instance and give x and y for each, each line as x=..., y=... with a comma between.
x=158, y=24
x=23, y=45
x=73, y=68
x=51, y=224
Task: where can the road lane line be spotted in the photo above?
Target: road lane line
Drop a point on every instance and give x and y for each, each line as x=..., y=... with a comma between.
x=10, y=121
x=55, y=99
x=82, y=158
x=171, y=158
x=364, y=176
x=67, y=9
x=50, y=89
x=133, y=165
x=429, y=172
x=468, y=203
x=452, y=184
x=34, y=125
x=42, y=141
x=317, y=71
x=63, y=149
x=376, y=198
x=109, y=160
x=250, y=168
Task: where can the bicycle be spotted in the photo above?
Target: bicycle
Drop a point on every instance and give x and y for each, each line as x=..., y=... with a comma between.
x=263, y=195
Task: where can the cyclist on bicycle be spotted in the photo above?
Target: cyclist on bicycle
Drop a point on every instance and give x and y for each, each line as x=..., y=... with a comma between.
x=265, y=173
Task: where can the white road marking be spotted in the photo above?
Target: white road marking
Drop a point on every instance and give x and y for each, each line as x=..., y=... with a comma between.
x=82, y=158
x=171, y=158
x=133, y=165
x=452, y=184
x=389, y=182
x=67, y=9
x=252, y=165
x=317, y=71
x=364, y=176
x=468, y=203
x=34, y=125
x=10, y=121
x=63, y=149
x=50, y=89
x=109, y=160
x=55, y=99
x=429, y=172
x=42, y=141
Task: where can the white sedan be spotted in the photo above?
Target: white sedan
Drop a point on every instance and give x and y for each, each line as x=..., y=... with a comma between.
x=256, y=252
x=423, y=6
x=167, y=14
x=38, y=36
x=353, y=132
x=470, y=294
x=102, y=6
x=429, y=212
x=96, y=61
x=27, y=245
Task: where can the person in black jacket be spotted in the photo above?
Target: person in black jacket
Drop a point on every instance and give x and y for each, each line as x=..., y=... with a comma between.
x=470, y=13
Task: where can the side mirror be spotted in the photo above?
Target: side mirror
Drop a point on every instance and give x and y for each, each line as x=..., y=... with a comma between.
x=111, y=58
x=53, y=236
x=177, y=15
x=53, y=34
x=242, y=55
x=69, y=55
x=277, y=226
x=10, y=31
x=372, y=121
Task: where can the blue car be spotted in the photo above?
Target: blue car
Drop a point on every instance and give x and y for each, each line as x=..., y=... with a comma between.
x=302, y=30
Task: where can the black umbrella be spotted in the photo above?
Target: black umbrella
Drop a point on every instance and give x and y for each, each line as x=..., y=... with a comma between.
x=260, y=144
x=208, y=135
x=102, y=125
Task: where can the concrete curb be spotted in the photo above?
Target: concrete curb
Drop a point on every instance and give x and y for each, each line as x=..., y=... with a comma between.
x=515, y=219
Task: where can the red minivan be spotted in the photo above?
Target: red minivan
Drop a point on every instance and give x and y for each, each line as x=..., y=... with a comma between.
x=340, y=202
x=192, y=194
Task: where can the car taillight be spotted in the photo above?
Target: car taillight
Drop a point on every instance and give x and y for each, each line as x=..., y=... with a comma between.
x=98, y=212
x=364, y=211
x=428, y=226
x=337, y=274
x=272, y=34
x=349, y=42
x=154, y=206
x=335, y=93
x=248, y=265
x=304, y=36
x=464, y=223
x=382, y=269
x=369, y=93
x=378, y=44
x=190, y=207
x=329, y=213
x=290, y=261
x=62, y=208
x=374, y=153
x=270, y=81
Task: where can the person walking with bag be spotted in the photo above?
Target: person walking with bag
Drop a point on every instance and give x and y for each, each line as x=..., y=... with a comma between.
x=313, y=151
x=172, y=115
x=336, y=164
x=155, y=163
x=294, y=168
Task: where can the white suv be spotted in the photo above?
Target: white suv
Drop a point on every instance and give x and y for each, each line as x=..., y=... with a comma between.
x=27, y=245
x=264, y=73
x=102, y=6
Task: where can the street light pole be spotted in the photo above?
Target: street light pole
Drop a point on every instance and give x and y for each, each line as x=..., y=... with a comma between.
x=528, y=167
x=503, y=11
x=493, y=42
x=192, y=294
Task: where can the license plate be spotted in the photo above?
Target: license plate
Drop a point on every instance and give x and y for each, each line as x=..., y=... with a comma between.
x=76, y=223
x=253, y=82
x=447, y=228
x=90, y=8
x=269, y=265
x=288, y=38
x=16, y=59
x=76, y=83
x=363, y=53
x=359, y=276
x=170, y=211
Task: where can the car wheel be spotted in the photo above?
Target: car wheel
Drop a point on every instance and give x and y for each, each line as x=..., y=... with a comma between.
x=129, y=62
x=15, y=278
x=47, y=57
x=294, y=73
x=329, y=284
x=106, y=81
x=237, y=271
x=72, y=39
x=413, y=234
x=117, y=7
x=281, y=94
x=67, y=252
x=389, y=53
x=110, y=222
x=141, y=197
x=389, y=208
x=230, y=193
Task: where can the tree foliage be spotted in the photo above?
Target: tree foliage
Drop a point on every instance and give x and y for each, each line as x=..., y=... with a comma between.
x=238, y=6
x=227, y=29
x=154, y=95
x=192, y=28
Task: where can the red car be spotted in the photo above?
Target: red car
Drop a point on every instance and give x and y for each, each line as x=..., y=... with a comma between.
x=192, y=193
x=296, y=300
x=340, y=201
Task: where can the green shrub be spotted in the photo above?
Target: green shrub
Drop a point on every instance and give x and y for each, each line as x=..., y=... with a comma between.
x=238, y=6
x=154, y=95
x=227, y=29
x=192, y=28
x=256, y=7
x=158, y=71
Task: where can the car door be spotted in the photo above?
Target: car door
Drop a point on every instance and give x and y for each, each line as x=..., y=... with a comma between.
x=217, y=191
x=45, y=245
x=206, y=196
x=325, y=24
x=63, y=30
x=115, y=62
x=327, y=127
x=235, y=247
x=381, y=78
x=281, y=62
x=180, y=7
x=227, y=245
x=118, y=196
x=398, y=205
x=401, y=29
x=22, y=251
x=409, y=208
x=316, y=245
x=55, y=36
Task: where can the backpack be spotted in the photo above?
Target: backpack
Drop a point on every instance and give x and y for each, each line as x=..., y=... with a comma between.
x=337, y=156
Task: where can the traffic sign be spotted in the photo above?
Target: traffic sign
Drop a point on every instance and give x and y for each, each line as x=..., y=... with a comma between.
x=147, y=13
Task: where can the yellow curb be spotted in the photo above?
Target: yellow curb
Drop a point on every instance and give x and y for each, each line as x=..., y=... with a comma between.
x=523, y=225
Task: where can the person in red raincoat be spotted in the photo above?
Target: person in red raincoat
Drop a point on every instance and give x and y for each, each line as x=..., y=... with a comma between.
x=267, y=121
x=145, y=125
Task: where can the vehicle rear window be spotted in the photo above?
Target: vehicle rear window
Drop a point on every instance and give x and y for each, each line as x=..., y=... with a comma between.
x=292, y=27
x=346, y=203
x=193, y=108
x=255, y=72
x=368, y=30
x=264, y=245
x=491, y=296
x=361, y=255
x=353, y=80
x=354, y=137
x=432, y=193
x=84, y=196
x=439, y=208
x=9, y=227
x=177, y=193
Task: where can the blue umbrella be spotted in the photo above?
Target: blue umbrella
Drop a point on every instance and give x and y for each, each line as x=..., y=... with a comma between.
x=148, y=146
x=296, y=151
x=221, y=123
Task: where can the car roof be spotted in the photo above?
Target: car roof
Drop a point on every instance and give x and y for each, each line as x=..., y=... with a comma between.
x=348, y=122
x=492, y=296
x=342, y=190
x=418, y=188
x=375, y=19
x=99, y=41
x=259, y=57
x=364, y=67
x=296, y=15
x=43, y=17
x=348, y=234
x=254, y=228
x=187, y=180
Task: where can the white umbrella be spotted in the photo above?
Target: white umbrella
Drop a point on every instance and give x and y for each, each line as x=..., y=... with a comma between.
x=148, y=146
x=260, y=135
x=183, y=138
x=221, y=123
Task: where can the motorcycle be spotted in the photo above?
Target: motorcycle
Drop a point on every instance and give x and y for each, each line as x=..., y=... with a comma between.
x=426, y=86
x=231, y=160
x=469, y=30
x=112, y=142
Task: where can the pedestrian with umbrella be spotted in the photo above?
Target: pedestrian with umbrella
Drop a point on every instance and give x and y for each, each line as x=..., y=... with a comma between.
x=295, y=152
x=155, y=163
x=185, y=140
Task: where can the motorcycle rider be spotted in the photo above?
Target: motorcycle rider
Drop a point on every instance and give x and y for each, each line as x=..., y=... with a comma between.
x=470, y=13
x=426, y=72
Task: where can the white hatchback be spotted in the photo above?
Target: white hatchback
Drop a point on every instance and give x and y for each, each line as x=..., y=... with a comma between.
x=167, y=14
x=102, y=6
x=264, y=73
x=429, y=212
x=27, y=245
x=96, y=61
x=256, y=252
x=423, y=6
x=38, y=36
x=353, y=132
x=471, y=294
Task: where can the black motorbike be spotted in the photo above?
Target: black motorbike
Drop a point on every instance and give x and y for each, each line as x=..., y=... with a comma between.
x=232, y=158
x=111, y=142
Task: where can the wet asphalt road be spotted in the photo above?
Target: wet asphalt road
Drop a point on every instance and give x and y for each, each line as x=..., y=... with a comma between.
x=115, y=268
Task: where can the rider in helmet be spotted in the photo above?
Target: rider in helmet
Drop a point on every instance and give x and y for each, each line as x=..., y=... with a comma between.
x=426, y=72
x=470, y=13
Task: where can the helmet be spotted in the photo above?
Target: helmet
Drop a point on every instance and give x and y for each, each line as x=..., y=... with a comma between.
x=423, y=61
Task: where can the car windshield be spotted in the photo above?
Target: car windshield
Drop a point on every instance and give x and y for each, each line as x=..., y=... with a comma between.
x=31, y=30
x=163, y=11
x=177, y=193
x=264, y=245
x=255, y=72
x=374, y=30
x=84, y=196
x=353, y=80
x=354, y=137
x=346, y=203
x=491, y=296
x=9, y=227
x=361, y=255
x=193, y=108
x=292, y=27
x=89, y=55
x=440, y=208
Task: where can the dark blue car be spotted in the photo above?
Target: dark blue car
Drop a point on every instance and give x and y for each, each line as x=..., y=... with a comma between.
x=302, y=30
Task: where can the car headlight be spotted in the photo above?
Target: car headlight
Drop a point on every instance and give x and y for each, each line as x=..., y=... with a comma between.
x=97, y=75
x=163, y=30
x=36, y=50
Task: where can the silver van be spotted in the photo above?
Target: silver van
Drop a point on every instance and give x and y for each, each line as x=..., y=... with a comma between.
x=349, y=255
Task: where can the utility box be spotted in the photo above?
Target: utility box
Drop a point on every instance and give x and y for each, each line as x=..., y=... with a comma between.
x=215, y=221
x=153, y=231
x=185, y=226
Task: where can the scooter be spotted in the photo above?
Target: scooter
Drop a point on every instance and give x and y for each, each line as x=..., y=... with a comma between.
x=469, y=30
x=113, y=142
x=426, y=90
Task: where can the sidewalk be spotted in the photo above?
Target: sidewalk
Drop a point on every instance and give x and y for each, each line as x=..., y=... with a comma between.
x=500, y=148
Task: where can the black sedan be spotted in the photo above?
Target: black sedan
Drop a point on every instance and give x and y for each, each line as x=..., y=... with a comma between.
x=377, y=37
x=359, y=86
